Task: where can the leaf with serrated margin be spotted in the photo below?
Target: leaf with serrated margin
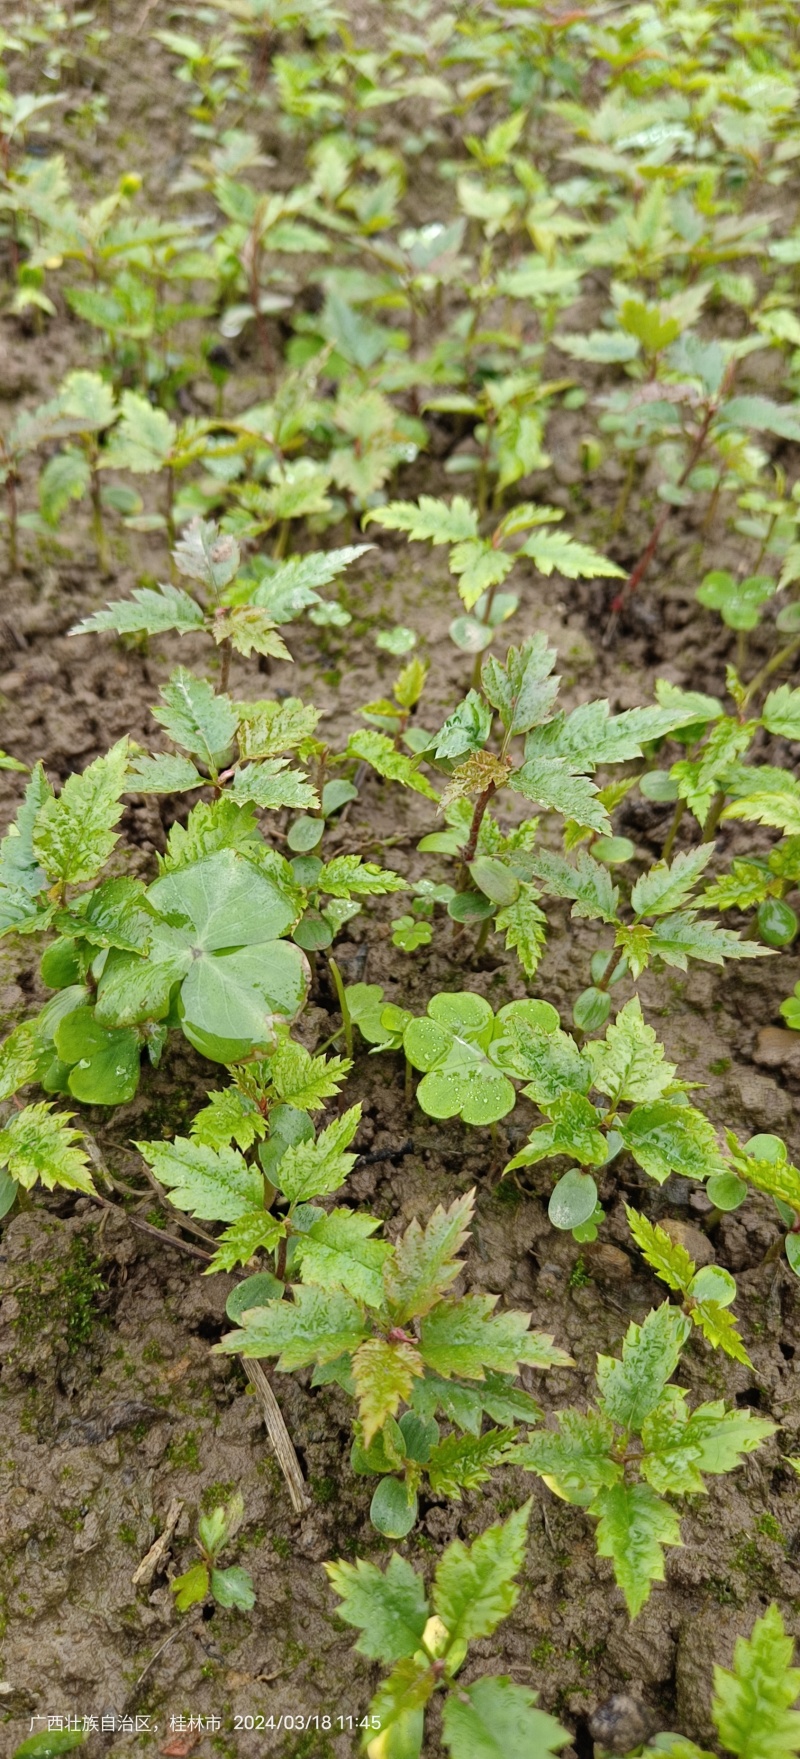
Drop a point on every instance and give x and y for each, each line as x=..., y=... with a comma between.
x=21, y=877
x=203, y=723
x=399, y=1709
x=378, y=750
x=677, y=939
x=258, y=1231
x=384, y=1372
x=523, y=690
x=143, y=438
x=719, y=1326
x=525, y=928
x=317, y=1325
x=74, y=832
x=249, y=629
x=214, y=1184
x=214, y=825
x=751, y=1706
x=679, y=1445
x=267, y=729
x=551, y=550
x=628, y=1064
x=302, y=1080
x=205, y=554
x=668, y=884
x=312, y=1169
x=665, y=1256
x=466, y=1337
x=425, y=1262
x=38, y=1143
x=229, y=1117
x=631, y=1386
x=552, y=783
x=389, y=1608
x=479, y=567
x=347, y=876
x=781, y=712
x=19, y=1059
x=428, y=520
x=667, y=1138
x=463, y=1462
x=591, y=735
x=167, y=773
x=337, y=1253
x=474, y=1587
x=634, y=1527
x=589, y=883
x=495, y=1719
x=575, y=1462
x=270, y=785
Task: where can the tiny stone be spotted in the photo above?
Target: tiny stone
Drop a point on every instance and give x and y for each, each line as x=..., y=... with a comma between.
x=609, y=1264
x=620, y=1723
x=696, y=1243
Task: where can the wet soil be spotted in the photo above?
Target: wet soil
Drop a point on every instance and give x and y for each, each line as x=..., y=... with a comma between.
x=111, y=1404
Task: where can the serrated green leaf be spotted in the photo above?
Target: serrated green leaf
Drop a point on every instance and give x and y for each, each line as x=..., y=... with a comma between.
x=211, y=827
x=464, y=1462
x=495, y=1719
x=474, y=1586
x=552, y=783
x=667, y=1138
x=347, y=876
x=667, y=885
x=679, y=938
x=167, y=773
x=576, y=1462
x=190, y=1588
x=66, y=477
x=466, y=1337
x=143, y=438
x=204, y=554
x=196, y=719
x=667, y=1258
x=589, y=883
x=267, y=729
x=270, y=785
x=378, y=750
x=312, y=1169
x=478, y=567
x=389, y=1608
x=74, y=832
x=466, y=729
x=555, y=550
x=679, y=1445
x=316, y=1325
x=425, y=1261
x=428, y=520
x=38, y=1143
x=229, y=1117
x=233, y=1587
x=781, y=712
x=87, y=400
x=631, y=1386
x=303, y=1080
x=634, y=1527
x=213, y=1184
x=249, y=629
x=752, y=1703
x=525, y=928
x=147, y=611
x=628, y=1064
x=399, y=1703
x=19, y=1059
x=257, y=1231
x=384, y=1371
x=338, y=1253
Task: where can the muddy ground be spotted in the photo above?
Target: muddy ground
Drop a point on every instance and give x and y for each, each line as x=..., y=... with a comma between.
x=111, y=1404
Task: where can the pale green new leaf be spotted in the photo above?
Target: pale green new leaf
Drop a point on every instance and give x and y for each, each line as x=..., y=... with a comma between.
x=428, y=520
x=269, y=728
x=311, y=1169
x=752, y=1703
x=425, y=1262
x=74, y=832
x=378, y=750
x=203, y=723
x=667, y=885
x=229, y=1117
x=258, y=1231
x=384, y=1373
x=634, y=1527
x=19, y=1059
x=143, y=438
x=495, y=1719
x=38, y=1143
x=213, y=1184
x=166, y=773
x=666, y=1257
x=667, y=1138
x=66, y=477
x=628, y=1064
x=781, y=712
x=204, y=554
x=522, y=690
x=317, y=1325
x=87, y=400
x=474, y=1586
x=338, y=1253
x=631, y=1386
x=389, y=1608
x=576, y=1461
x=525, y=928
x=147, y=611
x=303, y=1080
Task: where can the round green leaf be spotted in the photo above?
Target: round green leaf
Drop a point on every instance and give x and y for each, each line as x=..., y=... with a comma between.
x=397, y=641
x=393, y=1509
x=793, y=1252
x=725, y=1191
x=226, y=900
x=660, y=786
x=420, y=1435
x=712, y=1283
x=531, y=1012
x=788, y=620
x=425, y=1043
x=469, y=635
x=306, y=869
x=573, y=1200
x=591, y=1009
x=335, y=795
x=769, y=1148
x=463, y=1011
x=313, y=932
x=47, y=1744
x=103, y=1062
x=777, y=923
x=253, y=1291
x=233, y=1587
x=470, y=907
x=489, y=1098
x=613, y=850
x=60, y=965
x=230, y=1000
x=496, y=879
x=305, y=833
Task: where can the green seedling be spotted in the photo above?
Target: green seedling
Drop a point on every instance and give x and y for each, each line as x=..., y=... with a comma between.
x=751, y=1707
x=231, y=1587
x=707, y=1293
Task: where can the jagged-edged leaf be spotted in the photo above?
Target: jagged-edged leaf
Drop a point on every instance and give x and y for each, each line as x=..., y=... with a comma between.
x=721, y=1330
x=778, y=807
x=38, y=1143
x=680, y=1445
x=463, y=1462
x=478, y=566
x=203, y=723
x=347, y=876
x=389, y=1608
x=384, y=1371
x=668, y=884
x=289, y=587
x=428, y=520
x=74, y=832
x=87, y=400
x=425, y=1261
x=679, y=938
x=167, y=773
x=214, y=1184
x=752, y=1703
x=666, y=1256
x=588, y=882
x=591, y=735
x=21, y=877
x=66, y=477
x=576, y=1461
x=229, y=1117
x=311, y=1169
x=551, y=550
x=495, y=1719
x=573, y=1130
x=205, y=554
x=635, y=1525
x=143, y=437
x=753, y=411
x=466, y=729
x=337, y=1252
x=302, y=1080
x=474, y=1586
x=269, y=728
x=147, y=611
x=631, y=1385
x=270, y=785
x=667, y=1138
x=466, y=1337
x=378, y=750
x=525, y=928
x=399, y=1703
x=211, y=827
x=316, y=1325
x=551, y=782
x=628, y=1064
x=781, y=712
x=249, y=629
x=19, y=1059
x=257, y=1231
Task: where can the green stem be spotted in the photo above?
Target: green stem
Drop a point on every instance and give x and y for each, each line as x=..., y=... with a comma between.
x=483, y=936
x=98, y=528
x=341, y=996
x=677, y=817
x=226, y=652
x=713, y=817
x=779, y=659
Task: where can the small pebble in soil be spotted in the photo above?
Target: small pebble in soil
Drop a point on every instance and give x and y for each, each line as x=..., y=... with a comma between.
x=621, y=1723
x=697, y=1243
